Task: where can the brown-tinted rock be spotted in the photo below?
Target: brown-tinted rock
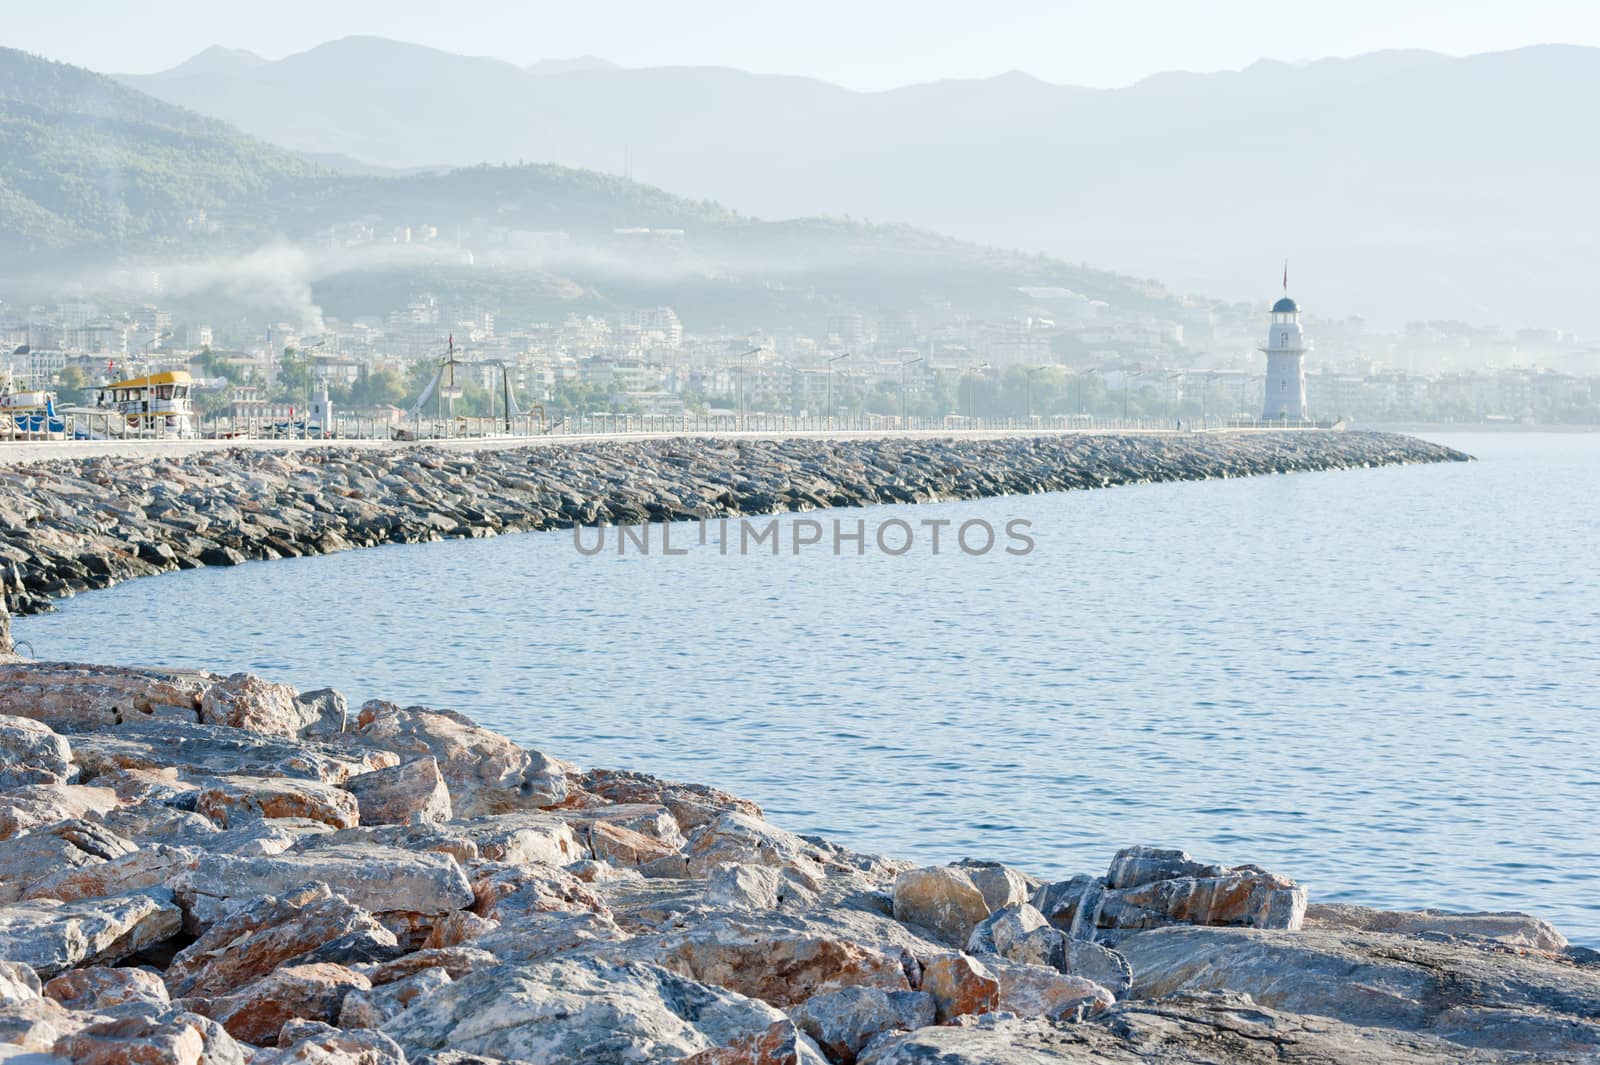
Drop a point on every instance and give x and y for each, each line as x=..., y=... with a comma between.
x=692, y=805
x=738, y=838
x=302, y=1042
x=1000, y=885
x=146, y=867
x=256, y=1012
x=57, y=850
x=781, y=1044
x=245, y=701
x=843, y=1021
x=454, y=929
x=52, y=936
x=523, y=838
x=486, y=773
x=169, y=1039
x=240, y=798
x=506, y=893
x=36, y=805
x=31, y=753
x=777, y=961
x=623, y=846
x=408, y=793
x=959, y=985
x=261, y=936
x=69, y=696
x=942, y=899
x=99, y=987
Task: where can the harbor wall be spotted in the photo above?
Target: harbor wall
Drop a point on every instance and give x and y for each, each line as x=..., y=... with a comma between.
x=78, y=524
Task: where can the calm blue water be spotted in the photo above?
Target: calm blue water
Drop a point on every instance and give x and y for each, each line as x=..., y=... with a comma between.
x=1382, y=682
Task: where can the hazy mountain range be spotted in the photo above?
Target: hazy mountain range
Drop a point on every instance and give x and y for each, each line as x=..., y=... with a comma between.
x=106, y=188
x=1401, y=184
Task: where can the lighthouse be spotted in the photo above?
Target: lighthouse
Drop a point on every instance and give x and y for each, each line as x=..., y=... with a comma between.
x=1286, y=361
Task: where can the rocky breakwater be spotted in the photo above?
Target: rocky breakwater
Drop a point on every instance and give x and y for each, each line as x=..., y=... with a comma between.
x=67, y=526
x=198, y=868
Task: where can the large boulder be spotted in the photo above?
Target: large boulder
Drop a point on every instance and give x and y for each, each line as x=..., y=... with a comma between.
x=844, y=1021
x=1513, y=929
x=1474, y=992
x=262, y=934
x=777, y=959
x=173, y=1037
x=410, y=793
x=218, y=751
x=32, y=753
x=36, y=805
x=147, y=867
x=245, y=701
x=56, y=851
x=1149, y=887
x=1020, y=933
x=739, y=838
x=256, y=1012
x=960, y=986
x=691, y=805
x=70, y=697
x=942, y=899
x=376, y=878
x=99, y=987
x=1188, y=1030
x=578, y=1011
x=234, y=799
x=52, y=937
x=485, y=772
x=781, y=1044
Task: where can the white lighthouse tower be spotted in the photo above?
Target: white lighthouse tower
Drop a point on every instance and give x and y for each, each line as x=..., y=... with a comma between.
x=1286, y=360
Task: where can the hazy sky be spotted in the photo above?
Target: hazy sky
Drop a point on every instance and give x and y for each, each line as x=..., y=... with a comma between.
x=868, y=44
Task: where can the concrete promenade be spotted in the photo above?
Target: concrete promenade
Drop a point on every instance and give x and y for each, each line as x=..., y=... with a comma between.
x=14, y=452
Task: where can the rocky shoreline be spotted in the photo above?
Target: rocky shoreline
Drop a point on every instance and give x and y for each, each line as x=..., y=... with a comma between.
x=197, y=868
x=72, y=525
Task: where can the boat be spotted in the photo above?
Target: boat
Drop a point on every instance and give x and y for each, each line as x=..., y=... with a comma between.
x=152, y=404
x=28, y=411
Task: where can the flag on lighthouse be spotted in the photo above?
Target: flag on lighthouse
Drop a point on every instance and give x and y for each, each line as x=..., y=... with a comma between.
x=1286, y=277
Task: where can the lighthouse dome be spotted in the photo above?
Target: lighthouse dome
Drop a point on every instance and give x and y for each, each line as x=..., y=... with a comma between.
x=1286, y=306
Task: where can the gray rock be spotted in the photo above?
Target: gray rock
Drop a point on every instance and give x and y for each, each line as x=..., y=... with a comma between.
x=1473, y=992
x=51, y=937
x=578, y=1011
x=842, y=1022
x=408, y=793
x=31, y=753
x=1189, y=1030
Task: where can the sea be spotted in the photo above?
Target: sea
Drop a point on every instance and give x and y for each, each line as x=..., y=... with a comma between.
x=1382, y=682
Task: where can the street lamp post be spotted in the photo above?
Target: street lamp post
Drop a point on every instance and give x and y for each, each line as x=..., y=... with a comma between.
x=831, y=361
x=744, y=356
x=1031, y=375
x=908, y=362
x=975, y=368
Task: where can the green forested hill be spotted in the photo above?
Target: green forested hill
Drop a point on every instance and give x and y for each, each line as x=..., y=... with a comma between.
x=87, y=160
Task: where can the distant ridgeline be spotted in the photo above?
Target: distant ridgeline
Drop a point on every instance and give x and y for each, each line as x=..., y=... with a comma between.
x=97, y=174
